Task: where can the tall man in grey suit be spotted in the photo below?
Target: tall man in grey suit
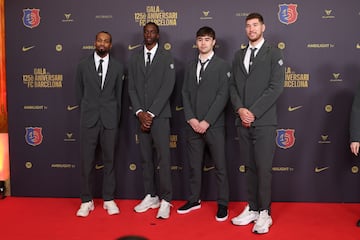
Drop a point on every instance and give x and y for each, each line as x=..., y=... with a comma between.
x=151, y=82
x=257, y=82
x=99, y=81
x=205, y=94
x=355, y=127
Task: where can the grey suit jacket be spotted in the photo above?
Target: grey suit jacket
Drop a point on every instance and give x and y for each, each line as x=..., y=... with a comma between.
x=355, y=118
x=207, y=100
x=259, y=89
x=150, y=90
x=96, y=103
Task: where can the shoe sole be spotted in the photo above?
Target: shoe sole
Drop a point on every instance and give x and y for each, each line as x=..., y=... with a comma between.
x=221, y=219
x=188, y=210
x=145, y=209
x=241, y=223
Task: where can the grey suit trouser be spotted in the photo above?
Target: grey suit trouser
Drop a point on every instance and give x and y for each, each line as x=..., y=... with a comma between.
x=214, y=138
x=155, y=152
x=257, y=148
x=90, y=138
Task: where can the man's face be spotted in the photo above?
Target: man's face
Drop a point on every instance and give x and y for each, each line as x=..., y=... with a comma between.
x=151, y=36
x=205, y=44
x=102, y=44
x=254, y=29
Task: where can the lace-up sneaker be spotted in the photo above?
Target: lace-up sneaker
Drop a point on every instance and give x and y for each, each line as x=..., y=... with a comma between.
x=164, y=210
x=247, y=216
x=263, y=223
x=147, y=203
x=85, y=209
x=188, y=207
x=111, y=207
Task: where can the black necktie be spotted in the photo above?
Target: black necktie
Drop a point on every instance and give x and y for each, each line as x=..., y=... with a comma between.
x=148, y=60
x=252, y=56
x=100, y=71
x=202, y=68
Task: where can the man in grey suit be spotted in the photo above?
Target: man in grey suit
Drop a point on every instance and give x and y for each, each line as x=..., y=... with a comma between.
x=99, y=81
x=257, y=82
x=151, y=82
x=355, y=127
x=205, y=94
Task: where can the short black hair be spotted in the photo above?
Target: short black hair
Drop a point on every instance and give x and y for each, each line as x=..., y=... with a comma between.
x=154, y=24
x=105, y=33
x=255, y=15
x=206, y=31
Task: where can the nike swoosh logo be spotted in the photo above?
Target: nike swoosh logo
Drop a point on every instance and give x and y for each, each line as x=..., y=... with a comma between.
x=25, y=49
x=290, y=109
x=317, y=170
x=98, y=166
x=133, y=47
x=206, y=169
x=70, y=108
x=179, y=108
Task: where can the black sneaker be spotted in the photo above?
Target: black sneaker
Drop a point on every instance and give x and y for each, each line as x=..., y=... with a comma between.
x=222, y=213
x=189, y=206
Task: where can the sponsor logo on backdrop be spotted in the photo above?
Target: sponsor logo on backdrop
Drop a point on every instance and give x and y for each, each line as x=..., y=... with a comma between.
x=71, y=108
x=103, y=17
x=281, y=45
x=157, y=15
x=328, y=108
x=320, y=45
x=69, y=137
x=291, y=109
x=175, y=168
x=358, y=46
x=31, y=17
x=324, y=139
x=88, y=47
x=62, y=165
x=58, y=47
x=287, y=13
x=67, y=18
x=27, y=48
x=132, y=47
x=35, y=107
x=132, y=167
x=282, y=169
x=179, y=108
x=207, y=169
x=206, y=15
x=173, y=141
x=296, y=80
x=241, y=14
x=336, y=78
x=321, y=169
x=355, y=169
x=42, y=79
x=33, y=136
x=328, y=14
x=285, y=138
x=28, y=165
x=99, y=166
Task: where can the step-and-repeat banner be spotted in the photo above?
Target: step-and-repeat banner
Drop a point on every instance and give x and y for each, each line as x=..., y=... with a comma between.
x=45, y=40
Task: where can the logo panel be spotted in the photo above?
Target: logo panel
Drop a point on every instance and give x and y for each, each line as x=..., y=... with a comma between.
x=33, y=136
x=287, y=13
x=31, y=17
x=285, y=138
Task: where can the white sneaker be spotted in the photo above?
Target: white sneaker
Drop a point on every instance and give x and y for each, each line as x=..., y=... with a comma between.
x=85, y=209
x=164, y=210
x=263, y=223
x=247, y=216
x=147, y=203
x=111, y=207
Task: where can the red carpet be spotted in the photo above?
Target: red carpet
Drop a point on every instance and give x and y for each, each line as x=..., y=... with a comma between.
x=54, y=218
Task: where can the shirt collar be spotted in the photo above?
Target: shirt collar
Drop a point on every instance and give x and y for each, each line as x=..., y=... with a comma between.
x=257, y=46
x=97, y=57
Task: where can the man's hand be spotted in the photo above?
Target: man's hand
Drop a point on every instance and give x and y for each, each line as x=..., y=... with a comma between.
x=354, y=146
x=145, y=121
x=246, y=117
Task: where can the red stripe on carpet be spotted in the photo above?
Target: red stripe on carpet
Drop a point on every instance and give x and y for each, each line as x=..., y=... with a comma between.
x=54, y=218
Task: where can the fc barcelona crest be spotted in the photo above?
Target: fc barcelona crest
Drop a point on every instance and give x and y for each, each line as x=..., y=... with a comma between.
x=288, y=13
x=33, y=136
x=285, y=138
x=31, y=17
